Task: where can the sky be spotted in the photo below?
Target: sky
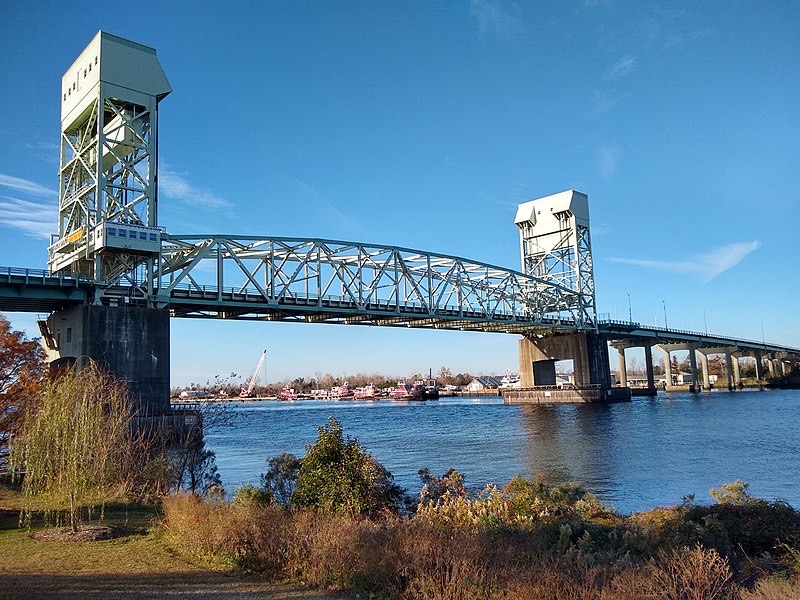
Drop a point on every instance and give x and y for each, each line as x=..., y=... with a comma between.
x=424, y=125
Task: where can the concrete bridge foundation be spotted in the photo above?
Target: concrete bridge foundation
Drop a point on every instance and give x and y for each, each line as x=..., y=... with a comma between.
x=537, y=367
x=131, y=342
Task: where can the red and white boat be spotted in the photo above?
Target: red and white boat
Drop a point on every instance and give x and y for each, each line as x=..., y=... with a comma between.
x=342, y=392
x=405, y=391
x=368, y=392
x=288, y=393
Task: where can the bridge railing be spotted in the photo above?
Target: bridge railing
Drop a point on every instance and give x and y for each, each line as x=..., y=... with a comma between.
x=43, y=276
x=701, y=336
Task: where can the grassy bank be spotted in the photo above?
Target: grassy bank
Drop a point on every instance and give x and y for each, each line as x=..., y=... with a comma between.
x=143, y=562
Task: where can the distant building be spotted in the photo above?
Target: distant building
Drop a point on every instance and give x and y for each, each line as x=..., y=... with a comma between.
x=480, y=384
x=195, y=394
x=564, y=379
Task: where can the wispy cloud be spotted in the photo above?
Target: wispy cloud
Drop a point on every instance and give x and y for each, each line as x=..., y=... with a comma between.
x=494, y=19
x=606, y=159
x=620, y=69
x=27, y=187
x=706, y=266
x=175, y=185
x=36, y=216
x=32, y=218
x=325, y=208
x=604, y=101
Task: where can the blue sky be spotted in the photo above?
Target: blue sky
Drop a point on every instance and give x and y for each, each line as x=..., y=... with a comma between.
x=424, y=124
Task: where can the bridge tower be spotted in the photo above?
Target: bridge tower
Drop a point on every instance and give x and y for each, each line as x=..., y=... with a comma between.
x=107, y=204
x=555, y=246
x=108, y=218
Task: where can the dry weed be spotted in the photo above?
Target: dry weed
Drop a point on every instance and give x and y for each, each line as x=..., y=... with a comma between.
x=692, y=574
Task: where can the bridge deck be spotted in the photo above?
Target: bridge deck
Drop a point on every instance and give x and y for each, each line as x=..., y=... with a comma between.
x=38, y=291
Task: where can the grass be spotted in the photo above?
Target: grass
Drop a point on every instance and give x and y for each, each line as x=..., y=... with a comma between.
x=142, y=564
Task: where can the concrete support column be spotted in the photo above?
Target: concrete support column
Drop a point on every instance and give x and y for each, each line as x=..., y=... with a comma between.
x=770, y=367
x=667, y=366
x=704, y=370
x=588, y=352
x=759, y=366
x=623, y=368
x=648, y=365
x=729, y=369
x=694, y=387
x=737, y=377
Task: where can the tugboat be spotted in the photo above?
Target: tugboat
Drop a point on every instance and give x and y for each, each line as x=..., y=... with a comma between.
x=368, y=392
x=430, y=390
x=405, y=391
x=288, y=393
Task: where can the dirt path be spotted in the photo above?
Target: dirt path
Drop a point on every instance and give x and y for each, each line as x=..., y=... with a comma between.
x=197, y=586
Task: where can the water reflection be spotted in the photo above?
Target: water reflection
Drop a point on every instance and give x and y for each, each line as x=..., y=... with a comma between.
x=571, y=443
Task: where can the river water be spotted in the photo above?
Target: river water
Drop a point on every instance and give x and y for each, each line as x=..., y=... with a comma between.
x=633, y=455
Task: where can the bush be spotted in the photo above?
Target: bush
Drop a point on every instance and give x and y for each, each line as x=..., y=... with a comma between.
x=279, y=481
x=250, y=496
x=338, y=475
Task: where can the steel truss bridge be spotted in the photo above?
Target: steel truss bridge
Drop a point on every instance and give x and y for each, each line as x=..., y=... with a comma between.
x=314, y=280
x=328, y=281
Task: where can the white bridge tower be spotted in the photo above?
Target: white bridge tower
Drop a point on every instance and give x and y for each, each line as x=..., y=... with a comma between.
x=107, y=204
x=555, y=247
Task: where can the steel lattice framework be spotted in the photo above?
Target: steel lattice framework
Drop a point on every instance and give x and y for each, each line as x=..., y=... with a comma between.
x=316, y=280
x=556, y=247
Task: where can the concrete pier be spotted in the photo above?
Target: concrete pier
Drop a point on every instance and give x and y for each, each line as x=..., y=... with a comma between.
x=131, y=342
x=589, y=354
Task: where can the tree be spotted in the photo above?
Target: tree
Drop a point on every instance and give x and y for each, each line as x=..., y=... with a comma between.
x=21, y=370
x=339, y=476
x=80, y=448
x=279, y=481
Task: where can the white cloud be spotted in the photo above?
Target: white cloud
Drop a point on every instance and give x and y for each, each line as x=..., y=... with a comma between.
x=36, y=217
x=706, y=266
x=27, y=187
x=607, y=161
x=32, y=218
x=622, y=68
x=494, y=18
x=604, y=101
x=175, y=185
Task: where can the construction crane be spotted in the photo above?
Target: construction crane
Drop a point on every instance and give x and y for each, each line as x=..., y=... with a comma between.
x=250, y=382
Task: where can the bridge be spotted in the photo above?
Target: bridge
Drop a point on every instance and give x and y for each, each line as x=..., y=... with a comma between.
x=115, y=277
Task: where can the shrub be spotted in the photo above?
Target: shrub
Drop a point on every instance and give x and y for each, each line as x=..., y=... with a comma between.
x=733, y=493
x=434, y=488
x=250, y=496
x=338, y=475
x=279, y=481
x=692, y=574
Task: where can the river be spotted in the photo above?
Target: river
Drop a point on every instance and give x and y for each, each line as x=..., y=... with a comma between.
x=633, y=455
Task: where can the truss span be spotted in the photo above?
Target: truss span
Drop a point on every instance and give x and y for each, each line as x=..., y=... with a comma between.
x=317, y=280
